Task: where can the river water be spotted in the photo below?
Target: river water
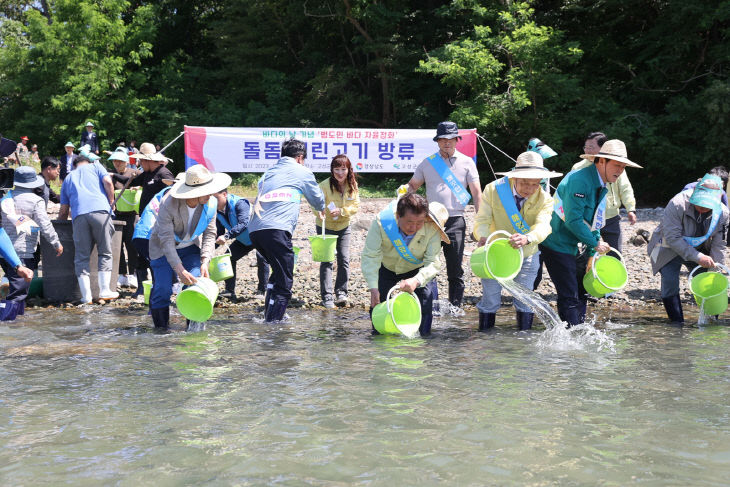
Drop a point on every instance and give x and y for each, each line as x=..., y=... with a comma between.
x=96, y=398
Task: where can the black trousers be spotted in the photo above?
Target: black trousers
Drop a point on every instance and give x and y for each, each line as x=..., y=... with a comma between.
x=128, y=265
x=276, y=247
x=611, y=233
x=387, y=279
x=454, y=255
x=239, y=250
x=18, y=286
x=564, y=273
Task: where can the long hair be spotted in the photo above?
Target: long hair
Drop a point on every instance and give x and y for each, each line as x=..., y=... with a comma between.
x=341, y=160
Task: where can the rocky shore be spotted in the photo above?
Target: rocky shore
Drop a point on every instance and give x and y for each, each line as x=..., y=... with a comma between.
x=641, y=292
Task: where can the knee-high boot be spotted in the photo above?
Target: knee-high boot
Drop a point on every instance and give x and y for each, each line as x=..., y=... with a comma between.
x=161, y=317
x=524, y=320
x=673, y=306
x=486, y=321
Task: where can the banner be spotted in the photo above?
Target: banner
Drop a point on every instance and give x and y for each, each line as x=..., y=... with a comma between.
x=255, y=149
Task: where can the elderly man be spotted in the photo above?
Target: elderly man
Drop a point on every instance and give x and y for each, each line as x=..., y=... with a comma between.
x=88, y=193
x=580, y=213
x=67, y=160
x=692, y=232
x=619, y=193
x=518, y=205
x=402, y=248
x=276, y=211
x=447, y=174
x=182, y=238
x=88, y=136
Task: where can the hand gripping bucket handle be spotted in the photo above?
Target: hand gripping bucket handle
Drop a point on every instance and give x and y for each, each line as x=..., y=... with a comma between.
x=389, y=306
x=715, y=304
x=719, y=266
x=595, y=272
x=507, y=234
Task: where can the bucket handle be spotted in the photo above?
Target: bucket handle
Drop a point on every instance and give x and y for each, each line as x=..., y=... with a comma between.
x=388, y=306
x=595, y=258
x=124, y=198
x=719, y=266
x=501, y=232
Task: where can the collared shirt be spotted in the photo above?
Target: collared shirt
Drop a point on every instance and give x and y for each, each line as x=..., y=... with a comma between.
x=600, y=179
x=463, y=168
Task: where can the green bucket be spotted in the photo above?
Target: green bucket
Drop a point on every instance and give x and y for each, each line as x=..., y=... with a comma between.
x=220, y=268
x=496, y=260
x=36, y=288
x=710, y=290
x=296, y=256
x=196, y=302
x=398, y=315
x=129, y=201
x=323, y=247
x=147, y=287
x=607, y=275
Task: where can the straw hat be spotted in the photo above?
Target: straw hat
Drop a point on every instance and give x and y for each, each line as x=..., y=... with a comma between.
x=148, y=152
x=199, y=182
x=438, y=214
x=529, y=165
x=612, y=149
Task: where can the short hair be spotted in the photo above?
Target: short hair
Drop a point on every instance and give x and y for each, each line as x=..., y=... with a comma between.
x=49, y=161
x=721, y=172
x=415, y=203
x=599, y=136
x=81, y=159
x=293, y=148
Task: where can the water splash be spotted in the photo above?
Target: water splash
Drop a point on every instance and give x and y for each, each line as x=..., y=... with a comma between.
x=542, y=309
x=443, y=307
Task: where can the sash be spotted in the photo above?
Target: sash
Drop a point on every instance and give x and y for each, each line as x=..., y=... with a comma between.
x=599, y=216
x=437, y=162
x=211, y=208
x=149, y=215
x=697, y=241
x=233, y=217
x=291, y=195
x=387, y=220
x=23, y=224
x=504, y=191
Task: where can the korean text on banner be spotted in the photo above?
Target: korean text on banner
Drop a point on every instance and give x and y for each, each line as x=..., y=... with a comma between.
x=255, y=149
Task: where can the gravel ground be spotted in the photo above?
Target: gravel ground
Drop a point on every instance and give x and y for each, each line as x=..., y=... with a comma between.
x=641, y=292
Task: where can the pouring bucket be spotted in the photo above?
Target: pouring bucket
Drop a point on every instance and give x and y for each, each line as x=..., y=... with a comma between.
x=129, y=200
x=196, y=302
x=497, y=259
x=710, y=290
x=323, y=247
x=608, y=274
x=399, y=314
x=147, y=288
x=220, y=268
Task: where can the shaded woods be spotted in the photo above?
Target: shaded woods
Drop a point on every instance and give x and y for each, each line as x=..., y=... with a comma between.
x=653, y=73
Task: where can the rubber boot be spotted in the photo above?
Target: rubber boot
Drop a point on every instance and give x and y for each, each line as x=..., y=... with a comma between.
x=524, y=320
x=486, y=321
x=161, y=317
x=267, y=299
x=277, y=309
x=436, y=306
x=85, y=288
x=673, y=305
x=104, y=281
x=456, y=297
x=8, y=310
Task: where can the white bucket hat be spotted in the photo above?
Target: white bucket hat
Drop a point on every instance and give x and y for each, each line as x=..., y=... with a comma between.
x=438, y=214
x=148, y=152
x=529, y=165
x=612, y=149
x=199, y=182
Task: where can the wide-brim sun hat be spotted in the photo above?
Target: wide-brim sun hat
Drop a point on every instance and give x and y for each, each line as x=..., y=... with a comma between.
x=26, y=177
x=120, y=154
x=438, y=214
x=85, y=151
x=537, y=145
x=199, y=182
x=708, y=192
x=148, y=152
x=529, y=165
x=613, y=149
x=70, y=144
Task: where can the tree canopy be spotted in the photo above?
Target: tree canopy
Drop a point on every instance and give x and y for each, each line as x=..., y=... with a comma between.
x=652, y=73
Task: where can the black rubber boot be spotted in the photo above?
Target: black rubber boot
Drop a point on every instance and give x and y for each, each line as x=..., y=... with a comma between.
x=141, y=277
x=277, y=309
x=161, y=317
x=486, y=321
x=673, y=305
x=524, y=320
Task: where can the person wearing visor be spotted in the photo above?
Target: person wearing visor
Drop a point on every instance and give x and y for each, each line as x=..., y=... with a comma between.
x=692, y=232
x=402, y=249
x=580, y=213
x=182, y=237
x=515, y=204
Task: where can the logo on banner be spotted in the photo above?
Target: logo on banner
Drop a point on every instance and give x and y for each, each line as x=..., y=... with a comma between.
x=359, y=166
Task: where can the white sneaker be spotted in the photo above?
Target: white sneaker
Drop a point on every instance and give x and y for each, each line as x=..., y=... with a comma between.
x=139, y=298
x=132, y=281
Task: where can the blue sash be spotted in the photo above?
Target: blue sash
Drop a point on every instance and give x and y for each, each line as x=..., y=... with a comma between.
x=233, y=217
x=147, y=218
x=504, y=191
x=697, y=241
x=599, y=217
x=437, y=162
x=208, y=214
x=387, y=220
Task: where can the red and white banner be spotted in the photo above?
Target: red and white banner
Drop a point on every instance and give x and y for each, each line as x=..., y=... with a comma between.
x=255, y=149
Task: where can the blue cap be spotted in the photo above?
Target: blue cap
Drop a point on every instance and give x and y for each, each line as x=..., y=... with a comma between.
x=708, y=192
x=536, y=145
x=25, y=177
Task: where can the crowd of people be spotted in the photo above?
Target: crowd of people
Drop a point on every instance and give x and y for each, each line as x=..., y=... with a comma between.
x=181, y=220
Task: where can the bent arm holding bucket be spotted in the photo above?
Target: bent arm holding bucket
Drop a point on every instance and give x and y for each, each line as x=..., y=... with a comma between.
x=575, y=207
x=673, y=230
